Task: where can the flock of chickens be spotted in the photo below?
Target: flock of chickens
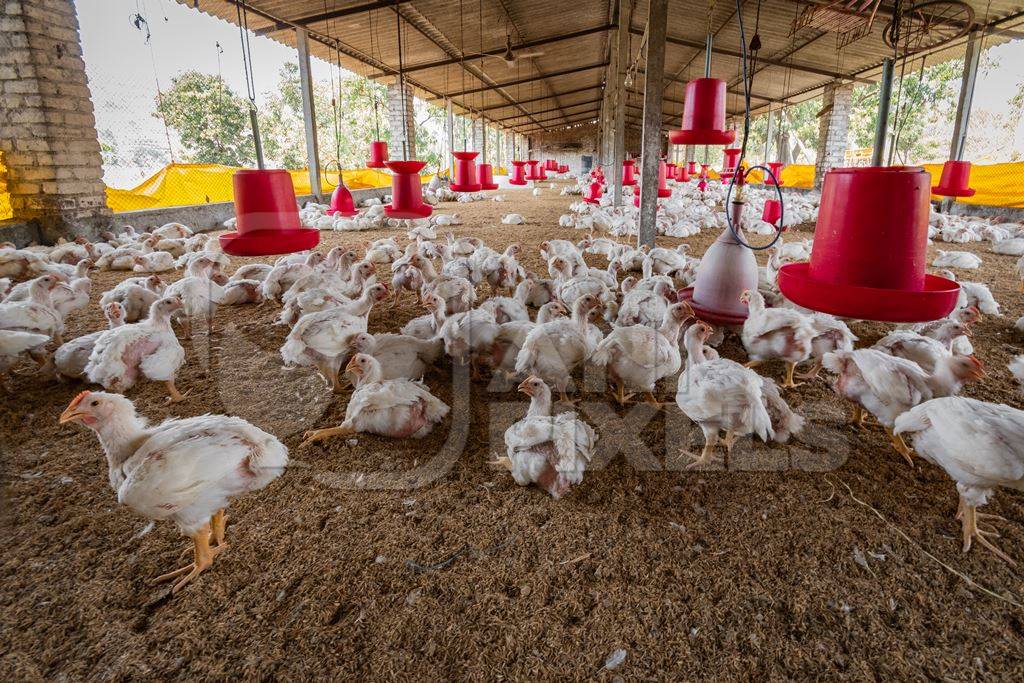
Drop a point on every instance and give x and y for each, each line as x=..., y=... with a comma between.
x=482, y=310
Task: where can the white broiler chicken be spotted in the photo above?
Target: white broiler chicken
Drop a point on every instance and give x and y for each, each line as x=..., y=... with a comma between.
x=72, y=356
x=323, y=339
x=466, y=335
x=399, y=355
x=136, y=295
x=536, y=291
x=252, y=271
x=153, y=262
x=924, y=351
x=490, y=266
x=13, y=344
x=512, y=335
x=237, y=292
x=645, y=302
x=508, y=308
x=395, y=408
x=171, y=231
x=458, y=294
x=199, y=295
x=20, y=263
x=775, y=333
x=720, y=395
x=887, y=386
x=830, y=334
x=68, y=298
x=553, y=350
x=183, y=470
x=980, y=446
x=148, y=349
x=637, y=356
x=37, y=313
x=549, y=451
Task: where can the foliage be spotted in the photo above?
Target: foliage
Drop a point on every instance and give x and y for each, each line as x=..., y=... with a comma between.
x=211, y=120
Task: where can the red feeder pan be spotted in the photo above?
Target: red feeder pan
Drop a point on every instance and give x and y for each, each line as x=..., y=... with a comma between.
x=407, y=191
x=691, y=167
x=563, y=168
x=465, y=172
x=663, y=190
x=486, y=177
x=542, y=173
x=732, y=159
x=703, y=115
x=594, y=193
x=629, y=172
x=776, y=167
x=726, y=269
x=956, y=176
x=551, y=165
x=682, y=174
x=341, y=202
x=532, y=174
x=378, y=154
x=518, y=173
x=267, y=216
x=772, y=212
x=870, y=243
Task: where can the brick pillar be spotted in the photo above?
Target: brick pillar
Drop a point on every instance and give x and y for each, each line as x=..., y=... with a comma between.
x=47, y=129
x=832, y=129
x=403, y=129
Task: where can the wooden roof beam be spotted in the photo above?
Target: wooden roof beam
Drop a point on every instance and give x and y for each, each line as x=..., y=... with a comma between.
x=530, y=79
x=542, y=97
x=548, y=111
x=330, y=14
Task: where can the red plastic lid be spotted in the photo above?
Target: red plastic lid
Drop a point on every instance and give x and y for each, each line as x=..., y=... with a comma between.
x=517, y=182
x=464, y=188
x=269, y=242
x=421, y=211
x=936, y=300
x=702, y=137
x=953, y=192
x=406, y=166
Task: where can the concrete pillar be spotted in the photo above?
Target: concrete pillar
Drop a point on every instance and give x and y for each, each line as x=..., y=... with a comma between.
x=479, y=141
x=47, y=128
x=650, y=162
x=510, y=140
x=309, y=114
x=972, y=56
x=619, y=99
x=402, y=122
x=832, y=130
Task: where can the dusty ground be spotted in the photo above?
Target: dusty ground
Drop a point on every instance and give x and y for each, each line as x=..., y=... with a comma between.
x=829, y=557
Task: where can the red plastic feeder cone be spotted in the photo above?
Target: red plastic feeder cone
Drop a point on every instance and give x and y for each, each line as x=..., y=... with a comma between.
x=267, y=216
x=563, y=168
x=663, y=190
x=551, y=165
x=703, y=115
x=682, y=174
x=406, y=191
x=542, y=173
x=341, y=202
x=956, y=176
x=532, y=174
x=732, y=160
x=629, y=172
x=518, y=173
x=772, y=212
x=378, y=154
x=726, y=269
x=594, y=193
x=465, y=172
x=869, y=255
x=670, y=170
x=776, y=167
x=691, y=167
x=485, y=172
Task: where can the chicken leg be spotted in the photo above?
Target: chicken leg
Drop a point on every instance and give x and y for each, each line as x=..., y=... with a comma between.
x=969, y=522
x=707, y=456
x=321, y=434
x=564, y=398
x=752, y=363
x=650, y=398
x=790, y=383
x=203, y=556
x=813, y=371
x=621, y=397
x=217, y=525
x=900, y=445
x=175, y=395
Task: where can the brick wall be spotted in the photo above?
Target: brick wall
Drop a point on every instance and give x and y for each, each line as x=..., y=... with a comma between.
x=47, y=129
x=403, y=129
x=832, y=130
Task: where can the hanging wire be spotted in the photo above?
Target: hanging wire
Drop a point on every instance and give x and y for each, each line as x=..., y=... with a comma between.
x=401, y=89
x=373, y=92
x=140, y=23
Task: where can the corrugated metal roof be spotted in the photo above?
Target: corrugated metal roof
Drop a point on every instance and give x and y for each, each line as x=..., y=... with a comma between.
x=452, y=48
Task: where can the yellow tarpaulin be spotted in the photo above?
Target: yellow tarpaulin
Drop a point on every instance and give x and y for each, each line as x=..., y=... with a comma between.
x=5, y=198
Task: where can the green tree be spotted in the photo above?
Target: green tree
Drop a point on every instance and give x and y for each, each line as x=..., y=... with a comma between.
x=211, y=120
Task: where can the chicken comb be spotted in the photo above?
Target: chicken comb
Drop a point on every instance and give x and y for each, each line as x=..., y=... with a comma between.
x=78, y=399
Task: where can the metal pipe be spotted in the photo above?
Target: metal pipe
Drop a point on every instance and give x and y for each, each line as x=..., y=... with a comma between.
x=708, y=47
x=256, y=138
x=972, y=57
x=309, y=113
x=884, y=100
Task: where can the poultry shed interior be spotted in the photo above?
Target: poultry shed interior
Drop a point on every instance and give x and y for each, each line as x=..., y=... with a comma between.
x=552, y=412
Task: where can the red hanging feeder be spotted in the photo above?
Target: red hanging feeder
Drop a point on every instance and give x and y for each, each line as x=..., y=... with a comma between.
x=776, y=167
x=629, y=172
x=955, y=181
x=518, y=173
x=730, y=162
x=267, y=216
x=378, y=154
x=772, y=212
x=342, y=203
x=703, y=115
x=551, y=165
x=682, y=174
x=563, y=168
x=691, y=167
x=670, y=170
x=594, y=193
x=869, y=255
x=532, y=174
x=663, y=190
x=486, y=176
x=407, y=191
x=726, y=269
x=465, y=172
x=542, y=173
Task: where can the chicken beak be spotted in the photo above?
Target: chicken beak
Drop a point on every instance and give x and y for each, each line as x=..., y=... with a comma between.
x=72, y=414
x=352, y=366
x=524, y=387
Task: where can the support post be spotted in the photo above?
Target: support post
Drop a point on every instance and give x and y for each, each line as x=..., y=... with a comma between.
x=449, y=128
x=767, y=139
x=619, y=100
x=833, y=129
x=309, y=114
x=884, y=100
x=963, y=105
x=657, y=17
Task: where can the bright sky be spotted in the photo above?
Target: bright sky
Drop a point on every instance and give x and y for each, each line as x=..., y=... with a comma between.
x=123, y=69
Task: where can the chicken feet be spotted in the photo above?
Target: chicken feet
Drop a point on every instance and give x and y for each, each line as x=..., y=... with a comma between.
x=202, y=559
x=707, y=456
x=789, y=383
x=175, y=395
x=620, y=395
x=901, y=446
x=321, y=434
x=969, y=522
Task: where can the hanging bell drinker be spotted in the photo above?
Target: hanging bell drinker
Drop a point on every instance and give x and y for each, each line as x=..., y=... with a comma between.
x=378, y=154
x=682, y=174
x=691, y=167
x=518, y=173
x=406, y=191
x=703, y=115
x=629, y=172
x=342, y=203
x=663, y=191
x=776, y=168
x=594, y=193
x=772, y=212
x=731, y=161
x=465, y=172
x=267, y=216
x=532, y=174
x=955, y=180
x=485, y=174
